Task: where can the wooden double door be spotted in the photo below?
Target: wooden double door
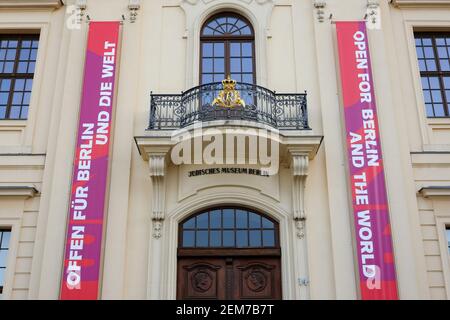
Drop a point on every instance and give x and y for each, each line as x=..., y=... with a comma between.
x=229, y=275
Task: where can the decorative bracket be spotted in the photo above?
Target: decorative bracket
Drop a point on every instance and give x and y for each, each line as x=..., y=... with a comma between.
x=133, y=7
x=299, y=164
x=157, y=172
x=320, y=8
x=372, y=16
x=81, y=6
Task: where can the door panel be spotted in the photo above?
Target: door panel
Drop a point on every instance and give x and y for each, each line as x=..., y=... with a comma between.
x=257, y=278
x=229, y=278
x=201, y=278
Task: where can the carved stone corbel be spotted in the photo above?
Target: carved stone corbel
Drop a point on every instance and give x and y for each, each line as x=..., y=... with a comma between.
x=157, y=169
x=320, y=7
x=299, y=164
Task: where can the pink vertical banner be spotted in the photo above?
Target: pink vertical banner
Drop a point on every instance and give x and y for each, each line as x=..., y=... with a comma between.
x=83, y=250
x=367, y=181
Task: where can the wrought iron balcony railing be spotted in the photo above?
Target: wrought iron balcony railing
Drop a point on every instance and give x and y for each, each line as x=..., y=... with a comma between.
x=281, y=111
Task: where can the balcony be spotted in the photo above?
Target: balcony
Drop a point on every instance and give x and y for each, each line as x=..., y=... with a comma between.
x=228, y=100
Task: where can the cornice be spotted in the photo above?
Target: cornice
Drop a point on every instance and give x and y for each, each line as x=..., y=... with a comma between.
x=18, y=191
x=30, y=4
x=420, y=3
x=435, y=191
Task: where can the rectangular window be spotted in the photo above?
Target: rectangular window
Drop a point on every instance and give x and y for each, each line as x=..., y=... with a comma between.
x=17, y=63
x=5, y=235
x=433, y=53
x=448, y=238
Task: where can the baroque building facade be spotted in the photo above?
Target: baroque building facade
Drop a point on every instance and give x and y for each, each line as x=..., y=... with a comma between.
x=190, y=74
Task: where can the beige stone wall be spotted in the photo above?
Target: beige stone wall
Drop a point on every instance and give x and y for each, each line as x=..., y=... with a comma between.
x=294, y=52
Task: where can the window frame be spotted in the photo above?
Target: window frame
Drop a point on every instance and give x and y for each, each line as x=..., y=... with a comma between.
x=438, y=73
x=13, y=76
x=276, y=229
x=7, y=249
x=226, y=40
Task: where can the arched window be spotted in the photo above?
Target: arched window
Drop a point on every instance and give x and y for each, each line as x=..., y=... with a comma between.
x=228, y=227
x=227, y=48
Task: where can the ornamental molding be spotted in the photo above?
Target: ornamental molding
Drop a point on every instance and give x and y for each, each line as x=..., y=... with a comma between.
x=420, y=3
x=22, y=4
x=194, y=2
x=435, y=191
x=320, y=9
x=299, y=167
x=157, y=172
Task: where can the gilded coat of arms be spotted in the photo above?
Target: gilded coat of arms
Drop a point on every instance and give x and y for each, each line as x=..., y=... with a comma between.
x=228, y=97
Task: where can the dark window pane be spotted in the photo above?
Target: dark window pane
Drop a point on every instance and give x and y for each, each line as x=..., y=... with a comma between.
x=207, y=65
x=3, y=256
x=247, y=78
x=219, y=77
x=439, y=110
x=202, y=221
x=440, y=41
x=442, y=52
x=11, y=54
x=17, y=98
x=267, y=224
x=436, y=95
x=219, y=50
x=19, y=85
x=188, y=238
x=26, y=98
x=235, y=49
x=445, y=65
x=4, y=96
x=419, y=51
x=214, y=240
x=228, y=238
x=228, y=218
x=202, y=239
x=422, y=66
x=430, y=112
x=237, y=77
x=235, y=65
x=215, y=219
x=247, y=49
x=447, y=82
x=14, y=113
x=23, y=67
x=29, y=85
x=24, y=113
x=2, y=112
x=241, y=219
x=207, y=78
x=434, y=83
x=2, y=277
x=431, y=65
x=5, y=85
x=8, y=67
x=207, y=50
x=247, y=65
x=242, y=239
x=5, y=239
x=219, y=65
x=255, y=238
x=255, y=220
x=268, y=238
x=190, y=224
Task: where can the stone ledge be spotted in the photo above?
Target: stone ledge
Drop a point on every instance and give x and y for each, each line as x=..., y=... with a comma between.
x=30, y=4
x=18, y=191
x=435, y=191
x=420, y=3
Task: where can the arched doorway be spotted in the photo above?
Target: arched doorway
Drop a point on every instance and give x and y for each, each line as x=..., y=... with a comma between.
x=228, y=253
